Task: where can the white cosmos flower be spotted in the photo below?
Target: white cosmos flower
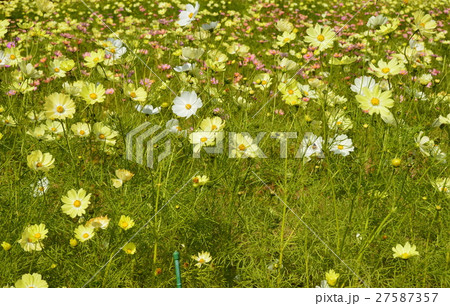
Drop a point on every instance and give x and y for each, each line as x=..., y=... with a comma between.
x=186, y=104
x=115, y=48
x=185, y=67
x=209, y=26
x=311, y=146
x=341, y=145
x=187, y=16
x=376, y=21
x=40, y=187
x=362, y=82
x=4, y=59
x=148, y=109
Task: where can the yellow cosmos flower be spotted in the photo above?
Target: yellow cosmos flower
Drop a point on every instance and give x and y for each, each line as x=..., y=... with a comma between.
x=104, y=134
x=384, y=70
x=92, y=93
x=213, y=124
x=84, y=233
x=404, y=252
x=40, y=162
x=6, y=246
x=320, y=37
x=94, y=58
x=136, y=94
x=424, y=24
x=331, y=277
x=122, y=176
x=202, y=259
x=126, y=222
x=31, y=281
x=75, y=203
x=81, y=129
x=59, y=106
x=375, y=101
x=129, y=248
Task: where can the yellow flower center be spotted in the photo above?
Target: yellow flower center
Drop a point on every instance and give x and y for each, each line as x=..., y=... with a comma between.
x=56, y=69
x=53, y=129
x=213, y=127
x=201, y=260
x=375, y=101
x=113, y=50
x=82, y=132
x=124, y=224
x=340, y=147
x=188, y=106
x=405, y=255
x=320, y=37
x=102, y=136
x=203, y=139
x=96, y=59
x=191, y=14
x=37, y=235
x=178, y=128
x=93, y=96
x=290, y=91
x=129, y=251
x=195, y=180
x=60, y=109
x=422, y=25
x=286, y=39
x=339, y=122
x=38, y=165
x=241, y=147
x=30, y=240
x=0, y=60
x=41, y=188
x=77, y=203
x=133, y=95
x=85, y=235
x=385, y=70
x=263, y=82
x=12, y=56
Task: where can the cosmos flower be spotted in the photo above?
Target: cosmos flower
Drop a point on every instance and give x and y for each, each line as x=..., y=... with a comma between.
x=202, y=259
x=404, y=252
x=331, y=277
x=361, y=82
x=40, y=162
x=148, y=109
x=384, y=70
x=376, y=21
x=75, y=202
x=311, y=146
x=186, y=104
x=187, y=16
x=320, y=37
x=200, y=180
x=424, y=24
x=126, y=222
x=81, y=129
x=122, y=176
x=375, y=102
x=243, y=146
x=129, y=248
x=59, y=106
x=84, y=233
x=98, y=222
x=31, y=281
x=104, y=134
x=341, y=145
x=213, y=124
x=93, y=93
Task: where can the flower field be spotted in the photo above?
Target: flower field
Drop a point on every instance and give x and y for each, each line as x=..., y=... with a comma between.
x=269, y=143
